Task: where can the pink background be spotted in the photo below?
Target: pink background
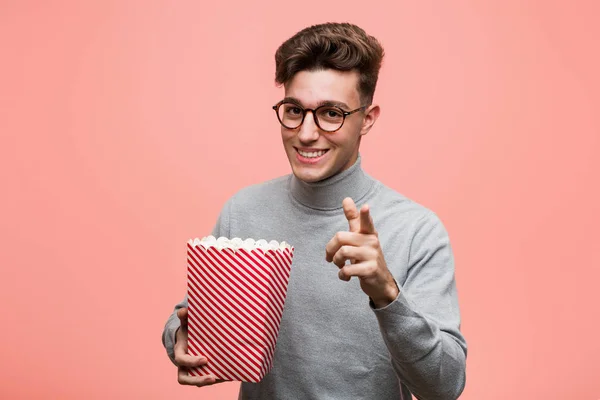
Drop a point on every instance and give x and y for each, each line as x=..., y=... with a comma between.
x=125, y=126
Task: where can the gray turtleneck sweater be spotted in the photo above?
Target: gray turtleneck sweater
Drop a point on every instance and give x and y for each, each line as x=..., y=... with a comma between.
x=333, y=343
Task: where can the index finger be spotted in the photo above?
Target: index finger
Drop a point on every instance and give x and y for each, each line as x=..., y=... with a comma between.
x=188, y=360
x=366, y=221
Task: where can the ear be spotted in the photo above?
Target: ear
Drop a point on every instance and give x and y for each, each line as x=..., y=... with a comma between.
x=371, y=115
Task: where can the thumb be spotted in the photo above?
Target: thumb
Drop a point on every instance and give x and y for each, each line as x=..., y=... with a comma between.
x=352, y=214
x=182, y=314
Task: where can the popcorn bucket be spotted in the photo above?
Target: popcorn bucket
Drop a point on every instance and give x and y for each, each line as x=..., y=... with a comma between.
x=236, y=294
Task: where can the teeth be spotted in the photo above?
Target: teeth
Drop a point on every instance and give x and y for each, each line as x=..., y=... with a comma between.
x=311, y=154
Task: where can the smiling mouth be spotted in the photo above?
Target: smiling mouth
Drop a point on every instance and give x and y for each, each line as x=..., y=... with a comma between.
x=311, y=154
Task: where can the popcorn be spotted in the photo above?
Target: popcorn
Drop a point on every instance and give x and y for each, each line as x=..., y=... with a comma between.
x=237, y=243
x=236, y=295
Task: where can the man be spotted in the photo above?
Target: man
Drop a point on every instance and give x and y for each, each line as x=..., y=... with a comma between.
x=393, y=329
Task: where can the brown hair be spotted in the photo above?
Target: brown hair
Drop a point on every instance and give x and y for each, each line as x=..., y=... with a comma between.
x=339, y=46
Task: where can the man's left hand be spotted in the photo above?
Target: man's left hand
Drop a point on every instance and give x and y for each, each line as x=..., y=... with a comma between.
x=361, y=246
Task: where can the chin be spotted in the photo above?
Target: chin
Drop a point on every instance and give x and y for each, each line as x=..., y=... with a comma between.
x=309, y=176
x=304, y=175
x=307, y=173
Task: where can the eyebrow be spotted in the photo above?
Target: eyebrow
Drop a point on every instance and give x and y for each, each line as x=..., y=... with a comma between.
x=334, y=103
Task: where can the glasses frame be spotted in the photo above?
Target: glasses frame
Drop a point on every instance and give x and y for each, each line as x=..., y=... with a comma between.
x=314, y=112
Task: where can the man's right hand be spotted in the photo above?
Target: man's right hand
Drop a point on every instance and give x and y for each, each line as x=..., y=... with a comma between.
x=184, y=360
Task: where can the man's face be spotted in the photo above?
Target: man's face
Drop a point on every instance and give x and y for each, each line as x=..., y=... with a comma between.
x=314, y=154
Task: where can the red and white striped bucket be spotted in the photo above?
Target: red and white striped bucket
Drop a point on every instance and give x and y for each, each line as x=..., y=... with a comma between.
x=235, y=303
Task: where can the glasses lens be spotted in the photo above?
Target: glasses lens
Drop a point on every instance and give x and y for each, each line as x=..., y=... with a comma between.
x=330, y=118
x=290, y=115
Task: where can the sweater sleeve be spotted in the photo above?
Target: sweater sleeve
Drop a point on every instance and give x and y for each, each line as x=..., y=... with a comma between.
x=168, y=336
x=221, y=228
x=421, y=327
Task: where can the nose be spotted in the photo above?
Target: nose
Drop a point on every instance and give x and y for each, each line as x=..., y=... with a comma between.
x=308, y=131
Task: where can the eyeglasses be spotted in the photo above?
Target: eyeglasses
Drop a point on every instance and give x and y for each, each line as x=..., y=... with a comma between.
x=327, y=118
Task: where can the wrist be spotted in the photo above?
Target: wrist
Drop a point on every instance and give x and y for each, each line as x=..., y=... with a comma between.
x=390, y=294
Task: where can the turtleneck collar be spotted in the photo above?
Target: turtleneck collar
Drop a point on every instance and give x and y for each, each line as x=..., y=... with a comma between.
x=329, y=193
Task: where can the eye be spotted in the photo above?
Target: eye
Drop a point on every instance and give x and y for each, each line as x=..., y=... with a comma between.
x=292, y=110
x=331, y=114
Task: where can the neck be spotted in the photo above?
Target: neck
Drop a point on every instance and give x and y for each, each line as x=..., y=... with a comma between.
x=329, y=193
